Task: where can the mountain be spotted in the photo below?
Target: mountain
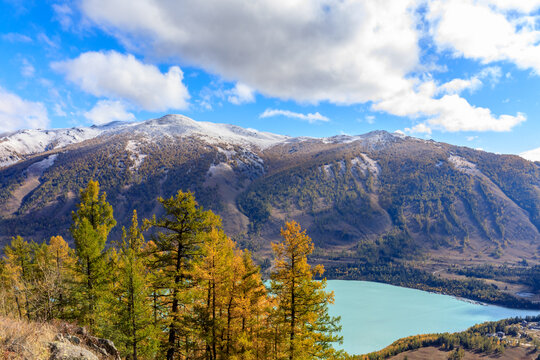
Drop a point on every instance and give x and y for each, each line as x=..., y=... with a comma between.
x=376, y=196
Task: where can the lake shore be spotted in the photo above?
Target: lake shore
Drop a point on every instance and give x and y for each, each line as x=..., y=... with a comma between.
x=375, y=314
x=409, y=277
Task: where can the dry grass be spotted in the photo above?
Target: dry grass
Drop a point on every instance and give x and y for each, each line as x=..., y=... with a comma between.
x=20, y=339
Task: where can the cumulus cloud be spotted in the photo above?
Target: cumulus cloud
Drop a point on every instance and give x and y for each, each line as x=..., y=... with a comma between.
x=456, y=86
x=448, y=113
x=311, y=117
x=123, y=77
x=487, y=30
x=531, y=155
x=241, y=94
x=17, y=113
x=106, y=111
x=343, y=52
x=306, y=50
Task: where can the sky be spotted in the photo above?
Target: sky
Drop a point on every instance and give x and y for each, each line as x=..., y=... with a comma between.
x=459, y=71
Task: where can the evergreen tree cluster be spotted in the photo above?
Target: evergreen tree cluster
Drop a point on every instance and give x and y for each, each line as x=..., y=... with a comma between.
x=186, y=292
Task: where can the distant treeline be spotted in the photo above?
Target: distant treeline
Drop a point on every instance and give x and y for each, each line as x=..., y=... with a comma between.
x=186, y=293
x=405, y=275
x=473, y=339
x=520, y=274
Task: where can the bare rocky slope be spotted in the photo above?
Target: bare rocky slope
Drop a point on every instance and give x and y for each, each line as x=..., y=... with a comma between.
x=380, y=194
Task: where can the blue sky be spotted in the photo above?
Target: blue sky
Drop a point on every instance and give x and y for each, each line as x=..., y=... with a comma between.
x=463, y=72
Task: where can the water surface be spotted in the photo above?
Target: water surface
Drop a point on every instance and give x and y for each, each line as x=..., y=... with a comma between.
x=374, y=315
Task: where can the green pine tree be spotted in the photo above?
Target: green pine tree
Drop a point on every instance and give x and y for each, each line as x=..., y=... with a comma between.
x=175, y=248
x=92, y=223
x=132, y=311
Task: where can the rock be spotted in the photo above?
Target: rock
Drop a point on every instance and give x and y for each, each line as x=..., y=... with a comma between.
x=75, y=340
x=68, y=351
x=109, y=347
x=81, y=331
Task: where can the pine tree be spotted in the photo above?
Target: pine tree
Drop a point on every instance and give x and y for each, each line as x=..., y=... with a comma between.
x=306, y=331
x=92, y=223
x=253, y=308
x=175, y=247
x=131, y=308
x=54, y=265
x=213, y=275
x=232, y=301
x=18, y=272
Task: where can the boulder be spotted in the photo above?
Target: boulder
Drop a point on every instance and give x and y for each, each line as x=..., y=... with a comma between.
x=68, y=351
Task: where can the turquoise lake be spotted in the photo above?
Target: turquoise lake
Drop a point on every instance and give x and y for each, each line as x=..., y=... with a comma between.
x=374, y=315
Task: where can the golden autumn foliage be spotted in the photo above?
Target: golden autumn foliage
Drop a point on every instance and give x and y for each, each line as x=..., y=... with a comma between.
x=187, y=293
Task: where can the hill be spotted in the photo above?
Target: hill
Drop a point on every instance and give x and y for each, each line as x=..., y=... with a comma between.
x=378, y=197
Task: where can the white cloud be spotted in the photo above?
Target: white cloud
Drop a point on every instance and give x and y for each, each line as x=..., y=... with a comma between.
x=17, y=113
x=370, y=119
x=59, y=110
x=523, y=6
x=343, y=52
x=487, y=30
x=27, y=69
x=311, y=117
x=106, y=111
x=52, y=43
x=306, y=50
x=241, y=94
x=456, y=86
x=16, y=38
x=531, y=155
x=63, y=14
x=471, y=138
x=123, y=77
x=447, y=113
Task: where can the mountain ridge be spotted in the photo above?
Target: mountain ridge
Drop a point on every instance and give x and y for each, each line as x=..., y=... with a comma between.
x=16, y=146
x=388, y=195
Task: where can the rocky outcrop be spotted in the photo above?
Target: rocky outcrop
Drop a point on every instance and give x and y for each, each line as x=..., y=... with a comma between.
x=68, y=351
x=74, y=338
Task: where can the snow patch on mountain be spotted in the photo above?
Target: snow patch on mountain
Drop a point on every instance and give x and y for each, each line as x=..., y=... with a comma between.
x=16, y=146
x=135, y=154
x=44, y=164
x=182, y=126
x=463, y=165
x=366, y=164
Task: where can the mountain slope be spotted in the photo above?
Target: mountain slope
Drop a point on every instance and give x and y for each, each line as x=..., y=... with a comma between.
x=379, y=195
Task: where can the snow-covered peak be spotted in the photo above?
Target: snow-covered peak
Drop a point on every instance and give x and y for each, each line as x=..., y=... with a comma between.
x=15, y=146
x=531, y=155
x=377, y=137
x=179, y=125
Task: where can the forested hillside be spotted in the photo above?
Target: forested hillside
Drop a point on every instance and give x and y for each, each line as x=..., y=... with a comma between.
x=187, y=292
x=380, y=197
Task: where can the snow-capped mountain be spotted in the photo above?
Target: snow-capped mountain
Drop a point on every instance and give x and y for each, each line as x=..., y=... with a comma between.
x=17, y=146
x=345, y=189
x=181, y=126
